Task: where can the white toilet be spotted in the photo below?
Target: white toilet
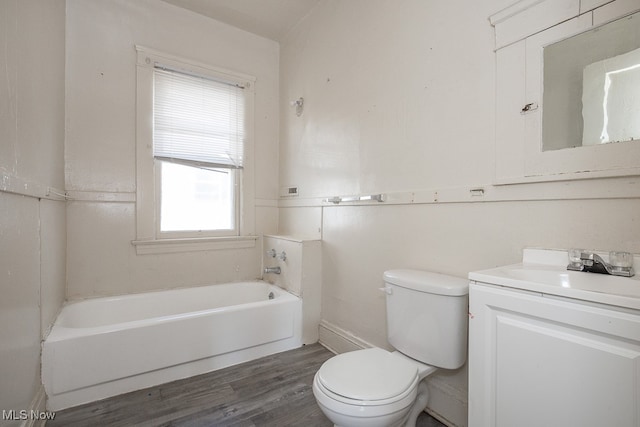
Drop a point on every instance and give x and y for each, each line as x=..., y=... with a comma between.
x=427, y=317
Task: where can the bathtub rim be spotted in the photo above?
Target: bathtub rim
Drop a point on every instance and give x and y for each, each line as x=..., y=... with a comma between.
x=58, y=332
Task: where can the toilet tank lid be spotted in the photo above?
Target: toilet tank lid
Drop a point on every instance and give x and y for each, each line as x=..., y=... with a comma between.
x=426, y=281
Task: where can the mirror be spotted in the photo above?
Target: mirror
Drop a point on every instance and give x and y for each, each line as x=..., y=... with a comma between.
x=591, y=88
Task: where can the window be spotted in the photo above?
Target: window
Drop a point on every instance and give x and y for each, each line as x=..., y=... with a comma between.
x=196, y=199
x=198, y=141
x=194, y=130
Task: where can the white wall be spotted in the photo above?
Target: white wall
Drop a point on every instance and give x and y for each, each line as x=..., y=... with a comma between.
x=100, y=144
x=393, y=90
x=32, y=217
x=400, y=99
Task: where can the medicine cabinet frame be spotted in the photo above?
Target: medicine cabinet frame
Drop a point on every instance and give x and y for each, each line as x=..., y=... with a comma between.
x=521, y=33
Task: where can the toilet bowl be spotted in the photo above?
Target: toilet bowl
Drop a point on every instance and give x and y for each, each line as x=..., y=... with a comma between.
x=427, y=322
x=371, y=387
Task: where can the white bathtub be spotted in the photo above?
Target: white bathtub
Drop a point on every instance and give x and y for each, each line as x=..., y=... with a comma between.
x=108, y=346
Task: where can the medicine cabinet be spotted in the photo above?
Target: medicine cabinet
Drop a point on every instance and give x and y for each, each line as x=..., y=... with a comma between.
x=567, y=106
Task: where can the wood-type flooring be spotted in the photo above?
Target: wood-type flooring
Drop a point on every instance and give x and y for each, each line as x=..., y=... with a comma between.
x=271, y=391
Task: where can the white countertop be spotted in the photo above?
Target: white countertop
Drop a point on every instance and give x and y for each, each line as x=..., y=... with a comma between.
x=545, y=271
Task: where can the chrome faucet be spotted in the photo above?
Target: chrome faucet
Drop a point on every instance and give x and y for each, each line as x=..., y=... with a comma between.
x=620, y=263
x=274, y=270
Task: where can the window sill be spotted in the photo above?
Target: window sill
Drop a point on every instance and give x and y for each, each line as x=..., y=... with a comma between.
x=164, y=246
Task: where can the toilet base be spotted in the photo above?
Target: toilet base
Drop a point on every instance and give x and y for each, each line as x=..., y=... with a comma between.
x=419, y=405
x=397, y=419
x=406, y=417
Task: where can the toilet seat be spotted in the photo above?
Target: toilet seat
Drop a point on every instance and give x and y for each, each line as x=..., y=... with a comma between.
x=371, y=377
x=393, y=404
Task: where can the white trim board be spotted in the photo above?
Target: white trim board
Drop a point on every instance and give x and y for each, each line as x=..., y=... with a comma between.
x=587, y=189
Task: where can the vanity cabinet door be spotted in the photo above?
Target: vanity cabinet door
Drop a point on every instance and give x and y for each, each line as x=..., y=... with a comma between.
x=537, y=360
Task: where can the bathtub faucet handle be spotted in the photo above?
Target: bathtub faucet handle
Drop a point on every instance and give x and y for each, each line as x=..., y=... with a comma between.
x=282, y=256
x=271, y=253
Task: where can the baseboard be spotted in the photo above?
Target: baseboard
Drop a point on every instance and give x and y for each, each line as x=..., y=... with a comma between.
x=338, y=340
x=36, y=415
x=446, y=403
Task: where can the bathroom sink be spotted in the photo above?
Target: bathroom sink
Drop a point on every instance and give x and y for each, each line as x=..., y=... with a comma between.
x=577, y=280
x=546, y=276
x=552, y=277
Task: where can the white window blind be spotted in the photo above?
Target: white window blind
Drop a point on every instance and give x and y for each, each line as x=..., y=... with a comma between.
x=197, y=120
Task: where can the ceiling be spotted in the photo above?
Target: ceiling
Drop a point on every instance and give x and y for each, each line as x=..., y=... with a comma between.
x=272, y=19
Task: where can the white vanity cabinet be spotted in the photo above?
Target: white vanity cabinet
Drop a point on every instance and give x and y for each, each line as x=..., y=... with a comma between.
x=537, y=359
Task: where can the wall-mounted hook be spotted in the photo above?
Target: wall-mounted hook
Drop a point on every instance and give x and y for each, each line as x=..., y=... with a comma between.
x=529, y=107
x=299, y=104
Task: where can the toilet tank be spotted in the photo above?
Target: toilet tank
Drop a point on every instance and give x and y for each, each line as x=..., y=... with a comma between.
x=427, y=316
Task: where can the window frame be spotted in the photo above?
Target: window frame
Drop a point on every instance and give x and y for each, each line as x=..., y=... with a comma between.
x=149, y=238
x=236, y=177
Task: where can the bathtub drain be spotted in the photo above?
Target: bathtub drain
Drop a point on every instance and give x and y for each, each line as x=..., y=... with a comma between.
x=271, y=296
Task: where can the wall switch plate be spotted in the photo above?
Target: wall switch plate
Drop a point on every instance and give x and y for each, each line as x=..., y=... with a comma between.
x=289, y=191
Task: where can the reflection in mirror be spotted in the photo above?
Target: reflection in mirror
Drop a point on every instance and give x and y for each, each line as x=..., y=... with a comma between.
x=611, y=99
x=592, y=87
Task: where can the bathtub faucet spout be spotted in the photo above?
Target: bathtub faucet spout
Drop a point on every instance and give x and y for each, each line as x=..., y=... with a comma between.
x=274, y=270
